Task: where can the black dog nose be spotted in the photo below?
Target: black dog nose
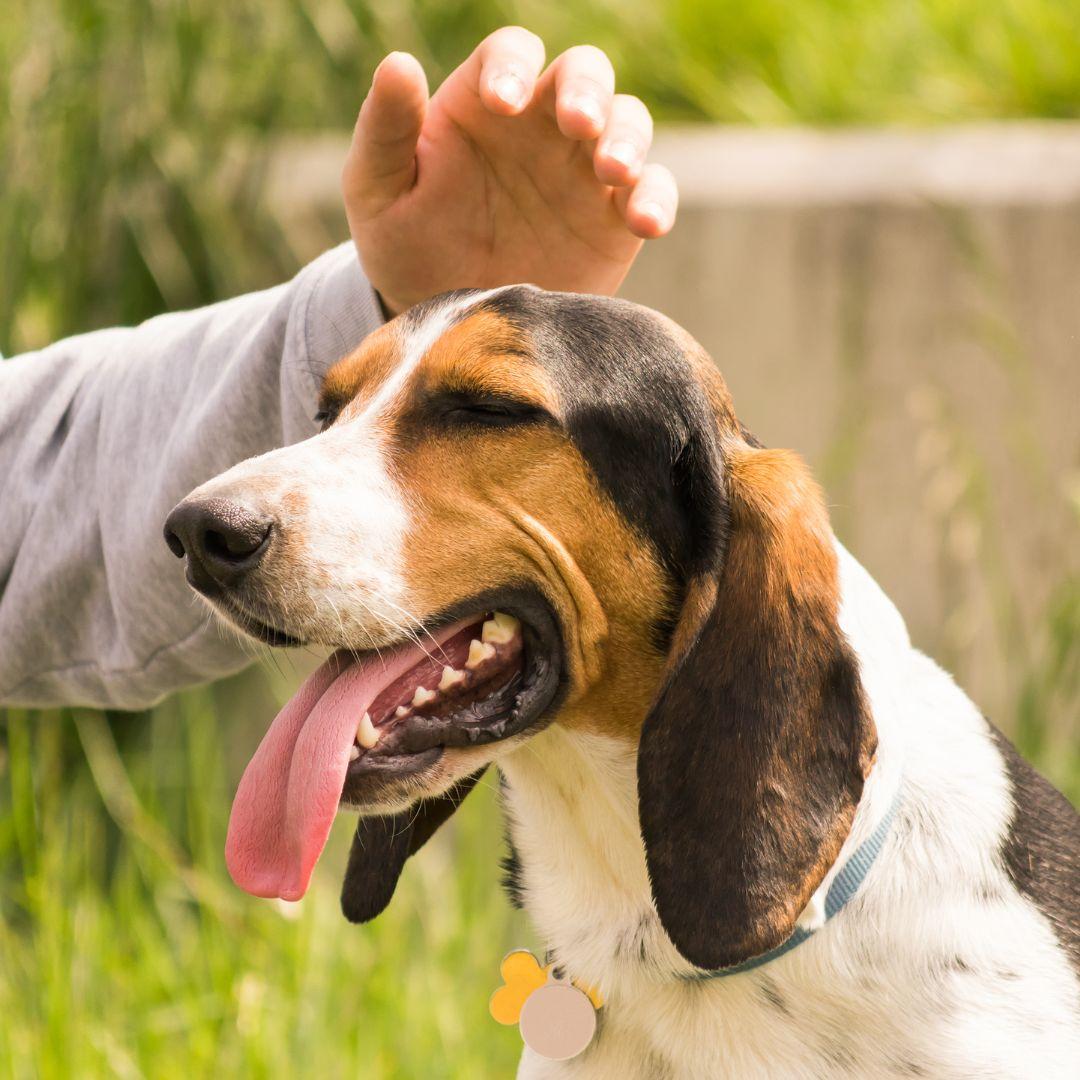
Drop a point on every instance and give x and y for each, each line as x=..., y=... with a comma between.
x=222, y=540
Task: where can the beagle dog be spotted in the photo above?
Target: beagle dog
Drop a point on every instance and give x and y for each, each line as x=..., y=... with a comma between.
x=778, y=839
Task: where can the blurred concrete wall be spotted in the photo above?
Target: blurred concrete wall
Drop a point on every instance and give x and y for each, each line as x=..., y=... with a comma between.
x=904, y=309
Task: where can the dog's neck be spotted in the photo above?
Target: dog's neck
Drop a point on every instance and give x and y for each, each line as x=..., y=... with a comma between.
x=571, y=805
x=571, y=802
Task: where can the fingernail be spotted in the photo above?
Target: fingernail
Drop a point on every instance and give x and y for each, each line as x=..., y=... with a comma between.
x=655, y=211
x=510, y=89
x=625, y=153
x=381, y=64
x=589, y=107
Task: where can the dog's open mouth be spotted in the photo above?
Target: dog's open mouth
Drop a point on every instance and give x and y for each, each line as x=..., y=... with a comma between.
x=462, y=692
x=360, y=722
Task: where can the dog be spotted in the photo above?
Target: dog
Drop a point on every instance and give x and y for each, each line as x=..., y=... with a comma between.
x=778, y=839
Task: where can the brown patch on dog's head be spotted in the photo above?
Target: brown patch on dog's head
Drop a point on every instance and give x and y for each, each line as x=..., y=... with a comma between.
x=354, y=378
x=485, y=356
x=501, y=495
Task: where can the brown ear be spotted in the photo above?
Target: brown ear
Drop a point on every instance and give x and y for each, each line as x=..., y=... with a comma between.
x=753, y=757
x=382, y=844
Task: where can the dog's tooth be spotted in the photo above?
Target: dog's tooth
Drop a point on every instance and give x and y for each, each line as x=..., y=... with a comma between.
x=500, y=629
x=402, y=711
x=422, y=697
x=367, y=735
x=479, y=651
x=451, y=678
x=354, y=752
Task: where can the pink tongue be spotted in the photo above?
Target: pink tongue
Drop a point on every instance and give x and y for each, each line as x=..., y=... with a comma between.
x=289, y=793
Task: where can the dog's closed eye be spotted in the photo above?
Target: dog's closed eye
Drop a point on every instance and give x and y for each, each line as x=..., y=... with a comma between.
x=488, y=410
x=329, y=410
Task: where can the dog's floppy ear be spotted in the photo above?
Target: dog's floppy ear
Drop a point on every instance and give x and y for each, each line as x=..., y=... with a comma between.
x=382, y=844
x=753, y=757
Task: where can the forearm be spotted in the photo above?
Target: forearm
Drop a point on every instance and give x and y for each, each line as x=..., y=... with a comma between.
x=101, y=435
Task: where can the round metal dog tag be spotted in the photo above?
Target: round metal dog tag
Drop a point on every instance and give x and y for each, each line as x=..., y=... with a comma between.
x=557, y=1021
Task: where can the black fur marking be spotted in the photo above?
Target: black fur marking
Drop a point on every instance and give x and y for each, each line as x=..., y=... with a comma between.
x=512, y=870
x=382, y=844
x=376, y=859
x=635, y=941
x=663, y=631
x=1041, y=850
x=771, y=993
x=909, y=1068
x=644, y=929
x=511, y=875
x=987, y=893
x=839, y=1054
x=632, y=408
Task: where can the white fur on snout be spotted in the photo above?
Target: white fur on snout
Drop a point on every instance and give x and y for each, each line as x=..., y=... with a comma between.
x=335, y=573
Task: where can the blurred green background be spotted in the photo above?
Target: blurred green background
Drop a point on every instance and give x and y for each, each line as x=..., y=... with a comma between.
x=136, y=137
x=136, y=133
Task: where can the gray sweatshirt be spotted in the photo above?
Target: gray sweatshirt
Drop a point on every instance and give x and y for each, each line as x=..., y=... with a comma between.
x=100, y=435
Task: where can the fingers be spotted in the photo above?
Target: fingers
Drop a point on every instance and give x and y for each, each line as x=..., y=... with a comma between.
x=649, y=207
x=578, y=87
x=620, y=154
x=381, y=163
x=506, y=65
x=579, y=90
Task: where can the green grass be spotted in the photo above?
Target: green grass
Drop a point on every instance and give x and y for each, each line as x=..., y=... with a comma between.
x=126, y=952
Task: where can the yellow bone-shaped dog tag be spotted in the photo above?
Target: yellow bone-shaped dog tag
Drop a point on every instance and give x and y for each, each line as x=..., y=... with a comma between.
x=523, y=976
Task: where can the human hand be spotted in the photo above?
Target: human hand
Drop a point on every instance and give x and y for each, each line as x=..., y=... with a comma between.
x=510, y=173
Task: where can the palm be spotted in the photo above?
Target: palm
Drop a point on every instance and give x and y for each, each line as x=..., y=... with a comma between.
x=516, y=201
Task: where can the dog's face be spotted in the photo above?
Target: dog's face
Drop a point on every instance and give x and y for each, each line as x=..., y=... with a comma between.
x=527, y=508
x=459, y=475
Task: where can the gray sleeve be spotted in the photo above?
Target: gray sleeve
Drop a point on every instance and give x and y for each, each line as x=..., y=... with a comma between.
x=100, y=435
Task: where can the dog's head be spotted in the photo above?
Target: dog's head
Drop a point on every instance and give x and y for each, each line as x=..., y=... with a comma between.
x=529, y=508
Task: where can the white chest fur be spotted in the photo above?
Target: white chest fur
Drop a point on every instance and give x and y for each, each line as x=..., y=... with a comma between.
x=937, y=968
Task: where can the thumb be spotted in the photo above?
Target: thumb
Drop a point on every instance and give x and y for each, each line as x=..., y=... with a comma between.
x=381, y=165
